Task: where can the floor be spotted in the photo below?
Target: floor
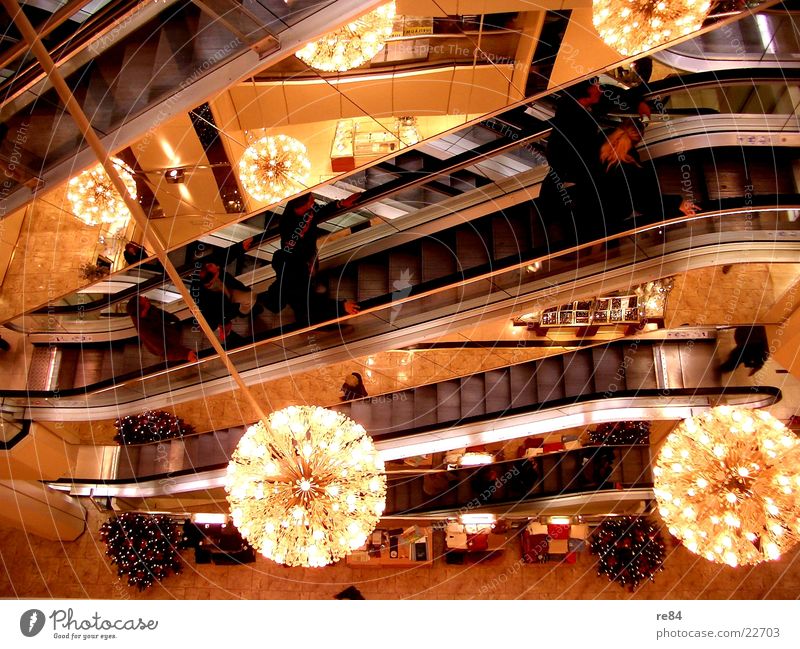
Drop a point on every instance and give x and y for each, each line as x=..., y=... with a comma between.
x=32, y=567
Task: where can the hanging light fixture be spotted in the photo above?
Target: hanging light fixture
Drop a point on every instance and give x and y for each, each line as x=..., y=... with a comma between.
x=635, y=26
x=274, y=167
x=95, y=201
x=727, y=485
x=306, y=486
x=352, y=45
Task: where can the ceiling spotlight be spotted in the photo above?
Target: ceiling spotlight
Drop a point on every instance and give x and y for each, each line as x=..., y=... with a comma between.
x=175, y=176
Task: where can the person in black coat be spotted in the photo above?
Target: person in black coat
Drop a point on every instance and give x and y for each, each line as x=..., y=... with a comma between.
x=629, y=187
x=568, y=197
x=751, y=350
x=220, y=296
x=295, y=264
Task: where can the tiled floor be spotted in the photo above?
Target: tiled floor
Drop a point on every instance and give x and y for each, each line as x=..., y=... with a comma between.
x=32, y=567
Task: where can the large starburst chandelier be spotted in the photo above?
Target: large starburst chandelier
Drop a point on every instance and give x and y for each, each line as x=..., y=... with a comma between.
x=274, y=167
x=352, y=45
x=95, y=201
x=727, y=483
x=635, y=26
x=306, y=486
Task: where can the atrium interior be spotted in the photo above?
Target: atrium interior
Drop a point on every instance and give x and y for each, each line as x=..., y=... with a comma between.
x=518, y=372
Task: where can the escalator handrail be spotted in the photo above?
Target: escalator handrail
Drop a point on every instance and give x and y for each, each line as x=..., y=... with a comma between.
x=701, y=80
x=767, y=396
x=419, y=291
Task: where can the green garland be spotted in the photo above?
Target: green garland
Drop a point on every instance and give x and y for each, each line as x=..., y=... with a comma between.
x=620, y=433
x=630, y=550
x=144, y=548
x=150, y=426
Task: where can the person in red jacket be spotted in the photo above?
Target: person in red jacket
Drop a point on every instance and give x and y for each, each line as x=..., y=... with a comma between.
x=158, y=331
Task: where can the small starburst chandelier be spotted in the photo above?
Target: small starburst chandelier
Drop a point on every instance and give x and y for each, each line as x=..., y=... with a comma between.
x=727, y=483
x=306, y=486
x=95, y=201
x=352, y=45
x=274, y=167
x=635, y=26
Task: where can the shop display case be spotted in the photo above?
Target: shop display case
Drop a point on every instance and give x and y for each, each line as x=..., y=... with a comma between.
x=357, y=141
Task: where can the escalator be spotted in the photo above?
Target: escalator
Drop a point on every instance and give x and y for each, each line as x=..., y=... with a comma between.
x=520, y=483
x=174, y=49
x=440, y=262
x=768, y=39
x=455, y=178
x=427, y=271
x=422, y=312
x=643, y=378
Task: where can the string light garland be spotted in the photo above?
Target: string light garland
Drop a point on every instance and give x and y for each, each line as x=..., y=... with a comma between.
x=727, y=485
x=144, y=548
x=274, y=167
x=95, y=201
x=150, y=426
x=306, y=486
x=352, y=45
x=630, y=550
x=635, y=26
x=621, y=433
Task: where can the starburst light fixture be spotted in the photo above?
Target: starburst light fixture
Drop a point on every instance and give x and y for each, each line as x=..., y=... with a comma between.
x=95, y=201
x=274, y=167
x=635, y=26
x=352, y=45
x=727, y=485
x=306, y=486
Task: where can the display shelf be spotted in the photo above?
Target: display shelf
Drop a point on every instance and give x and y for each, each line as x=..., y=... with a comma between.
x=399, y=547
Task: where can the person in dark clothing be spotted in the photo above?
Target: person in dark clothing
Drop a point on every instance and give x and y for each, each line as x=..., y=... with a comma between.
x=568, y=197
x=596, y=467
x=524, y=479
x=751, y=350
x=353, y=387
x=628, y=186
x=351, y=592
x=220, y=296
x=134, y=253
x=158, y=330
x=295, y=264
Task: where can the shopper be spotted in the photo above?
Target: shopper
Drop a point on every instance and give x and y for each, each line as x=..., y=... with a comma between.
x=295, y=264
x=219, y=295
x=158, y=330
x=628, y=186
x=568, y=197
x=751, y=350
x=134, y=253
x=353, y=387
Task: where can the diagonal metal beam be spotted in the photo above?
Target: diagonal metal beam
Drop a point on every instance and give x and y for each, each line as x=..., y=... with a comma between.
x=92, y=139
